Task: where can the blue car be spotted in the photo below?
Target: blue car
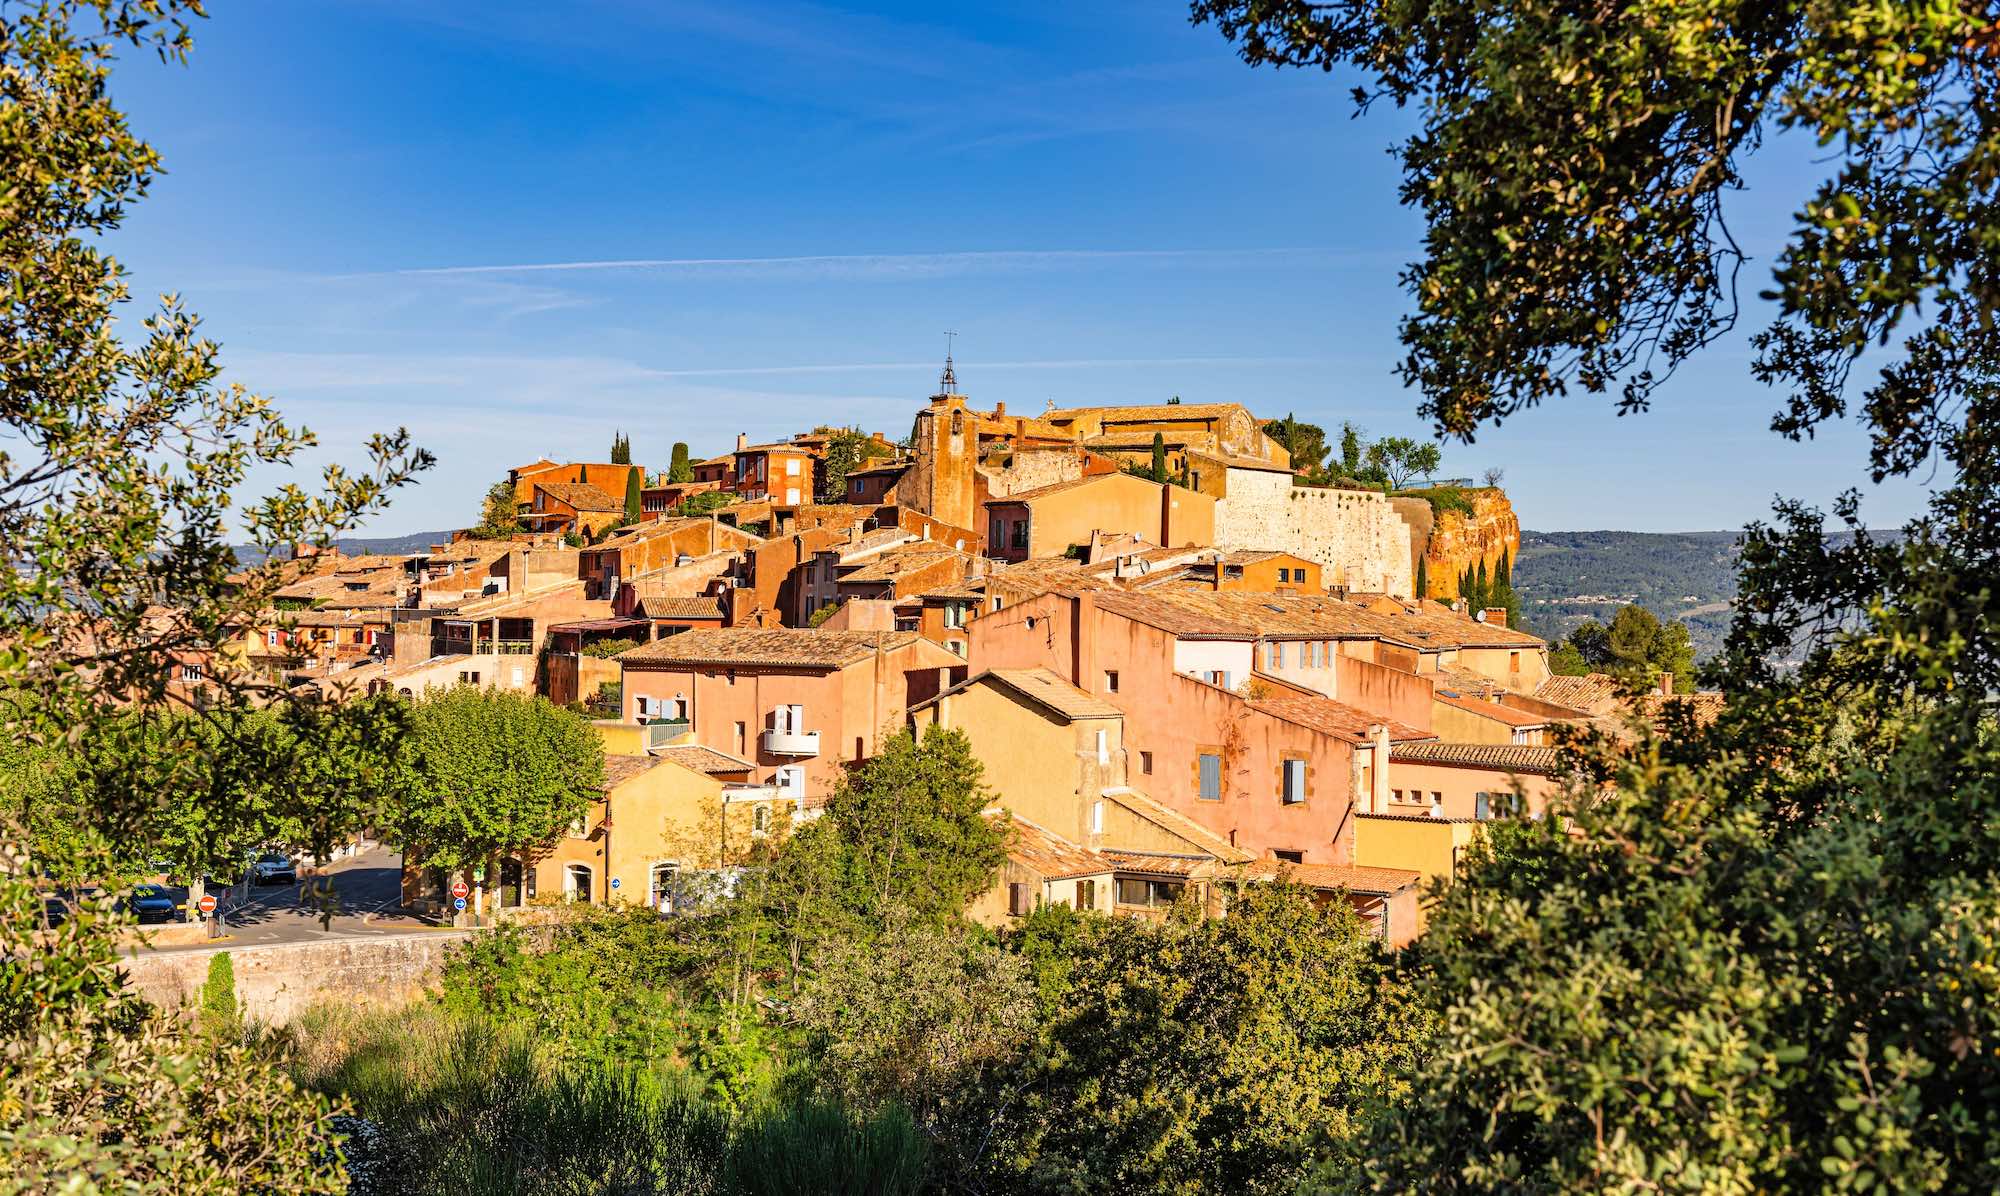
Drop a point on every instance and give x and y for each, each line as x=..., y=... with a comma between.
x=153, y=903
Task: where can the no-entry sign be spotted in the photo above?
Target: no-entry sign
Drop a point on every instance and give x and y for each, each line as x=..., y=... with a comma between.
x=206, y=904
x=458, y=888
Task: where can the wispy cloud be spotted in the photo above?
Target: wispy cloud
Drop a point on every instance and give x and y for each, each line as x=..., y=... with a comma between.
x=896, y=264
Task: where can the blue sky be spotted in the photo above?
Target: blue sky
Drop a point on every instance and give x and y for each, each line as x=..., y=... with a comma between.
x=519, y=227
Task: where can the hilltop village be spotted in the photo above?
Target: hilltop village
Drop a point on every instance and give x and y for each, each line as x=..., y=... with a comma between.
x=1176, y=659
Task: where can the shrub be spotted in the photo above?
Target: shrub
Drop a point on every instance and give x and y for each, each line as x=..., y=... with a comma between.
x=221, y=1020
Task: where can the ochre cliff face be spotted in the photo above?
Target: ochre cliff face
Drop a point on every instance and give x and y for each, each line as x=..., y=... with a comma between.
x=1459, y=542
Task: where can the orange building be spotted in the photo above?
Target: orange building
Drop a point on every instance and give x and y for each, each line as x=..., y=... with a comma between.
x=573, y=507
x=655, y=545
x=1050, y=520
x=612, y=479
x=800, y=704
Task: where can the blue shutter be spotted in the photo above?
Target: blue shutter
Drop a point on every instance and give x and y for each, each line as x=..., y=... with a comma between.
x=1211, y=777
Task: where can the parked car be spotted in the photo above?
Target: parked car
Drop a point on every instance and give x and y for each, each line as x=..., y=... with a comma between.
x=274, y=868
x=154, y=903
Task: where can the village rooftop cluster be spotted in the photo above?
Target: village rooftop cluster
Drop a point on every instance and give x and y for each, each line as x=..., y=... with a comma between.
x=1180, y=665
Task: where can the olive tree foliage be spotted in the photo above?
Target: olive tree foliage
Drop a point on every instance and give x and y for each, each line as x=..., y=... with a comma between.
x=1764, y=958
x=121, y=455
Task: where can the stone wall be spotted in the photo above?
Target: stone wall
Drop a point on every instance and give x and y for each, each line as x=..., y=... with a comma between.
x=1032, y=467
x=276, y=983
x=1458, y=543
x=1355, y=535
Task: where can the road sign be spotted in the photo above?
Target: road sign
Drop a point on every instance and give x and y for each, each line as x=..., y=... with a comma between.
x=458, y=903
x=206, y=904
x=614, y=882
x=459, y=891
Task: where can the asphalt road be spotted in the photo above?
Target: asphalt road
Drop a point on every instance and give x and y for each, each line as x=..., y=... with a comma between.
x=367, y=890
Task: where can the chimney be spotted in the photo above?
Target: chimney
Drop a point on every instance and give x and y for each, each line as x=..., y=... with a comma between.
x=999, y=411
x=1494, y=616
x=1666, y=685
x=1378, y=801
x=1084, y=609
x=742, y=441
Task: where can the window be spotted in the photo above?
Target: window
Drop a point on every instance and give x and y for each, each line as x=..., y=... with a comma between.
x=191, y=673
x=1208, y=767
x=1274, y=656
x=1150, y=893
x=789, y=719
x=1020, y=539
x=1482, y=806
x=1111, y=681
x=957, y=647
x=1290, y=857
x=1395, y=795
x=792, y=467
x=468, y=677
x=577, y=882
x=954, y=614
x=791, y=780
x=1017, y=899
x=760, y=819
x=1513, y=662
x=1436, y=798
x=1097, y=818
x=272, y=638
x=660, y=893
x=1103, y=749
x=578, y=828
x=1146, y=763
x=1086, y=894
x=1294, y=781
x=739, y=738
x=998, y=535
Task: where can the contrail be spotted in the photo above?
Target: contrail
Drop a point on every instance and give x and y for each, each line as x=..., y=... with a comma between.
x=880, y=262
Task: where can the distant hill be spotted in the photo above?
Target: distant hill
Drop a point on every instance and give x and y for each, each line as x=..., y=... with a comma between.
x=250, y=554
x=1564, y=578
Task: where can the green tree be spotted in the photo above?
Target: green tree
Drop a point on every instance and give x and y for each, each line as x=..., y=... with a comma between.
x=846, y=450
x=1635, y=647
x=1423, y=586
x=1481, y=595
x=911, y=820
x=499, y=514
x=680, y=469
x=1159, y=458
x=706, y=502
x=1225, y=1055
x=1503, y=594
x=122, y=485
x=621, y=449
x=488, y=773
x=1305, y=442
x=1351, y=449
x=221, y=1019
x=1776, y=921
x=1399, y=460
x=633, y=509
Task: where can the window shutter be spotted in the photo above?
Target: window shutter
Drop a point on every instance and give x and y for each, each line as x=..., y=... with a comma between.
x=1017, y=899
x=1211, y=776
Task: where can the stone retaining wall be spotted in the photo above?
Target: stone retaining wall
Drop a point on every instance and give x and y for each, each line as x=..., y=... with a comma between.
x=275, y=983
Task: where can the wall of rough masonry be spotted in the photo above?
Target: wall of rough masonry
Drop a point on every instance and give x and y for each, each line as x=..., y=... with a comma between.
x=1032, y=467
x=277, y=983
x=1356, y=535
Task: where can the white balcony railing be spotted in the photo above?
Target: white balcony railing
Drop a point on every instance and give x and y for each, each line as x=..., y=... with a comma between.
x=791, y=743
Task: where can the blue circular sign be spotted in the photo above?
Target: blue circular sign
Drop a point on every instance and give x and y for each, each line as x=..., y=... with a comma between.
x=458, y=903
x=614, y=882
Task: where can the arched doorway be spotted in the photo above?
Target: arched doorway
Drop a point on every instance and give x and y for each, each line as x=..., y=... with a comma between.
x=577, y=882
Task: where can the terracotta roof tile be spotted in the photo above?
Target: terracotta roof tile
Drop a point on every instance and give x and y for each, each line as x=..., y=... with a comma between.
x=1332, y=718
x=1048, y=853
x=1594, y=693
x=1044, y=686
x=787, y=647
x=581, y=496
x=1503, y=757
x=702, y=759
x=620, y=769
x=1353, y=878
x=1493, y=710
x=1150, y=864
x=1054, y=488
x=1177, y=823
x=699, y=607
x=1145, y=412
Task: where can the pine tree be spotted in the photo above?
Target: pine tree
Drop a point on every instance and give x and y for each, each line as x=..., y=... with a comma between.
x=681, y=469
x=1159, y=458
x=621, y=449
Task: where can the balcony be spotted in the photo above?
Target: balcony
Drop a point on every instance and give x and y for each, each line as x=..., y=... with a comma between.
x=752, y=793
x=661, y=732
x=514, y=647
x=791, y=743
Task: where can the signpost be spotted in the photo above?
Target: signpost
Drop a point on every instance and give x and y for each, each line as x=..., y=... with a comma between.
x=458, y=903
x=459, y=890
x=207, y=906
x=614, y=882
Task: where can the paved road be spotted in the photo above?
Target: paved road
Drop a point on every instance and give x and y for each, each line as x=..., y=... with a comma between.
x=368, y=887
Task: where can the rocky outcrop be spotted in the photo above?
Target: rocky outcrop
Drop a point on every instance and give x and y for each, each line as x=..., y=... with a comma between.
x=1453, y=541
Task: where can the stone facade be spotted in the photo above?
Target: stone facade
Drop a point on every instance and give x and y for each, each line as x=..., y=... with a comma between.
x=277, y=983
x=1355, y=535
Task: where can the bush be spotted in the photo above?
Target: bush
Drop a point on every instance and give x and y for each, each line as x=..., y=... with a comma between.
x=609, y=648
x=1442, y=499
x=819, y=1147
x=221, y=1020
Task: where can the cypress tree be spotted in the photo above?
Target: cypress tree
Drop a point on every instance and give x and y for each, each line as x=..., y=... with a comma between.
x=1159, y=458
x=1480, y=593
x=632, y=506
x=621, y=449
x=1423, y=579
x=681, y=470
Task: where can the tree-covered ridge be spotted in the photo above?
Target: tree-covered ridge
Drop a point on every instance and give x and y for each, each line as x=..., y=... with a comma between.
x=1565, y=579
